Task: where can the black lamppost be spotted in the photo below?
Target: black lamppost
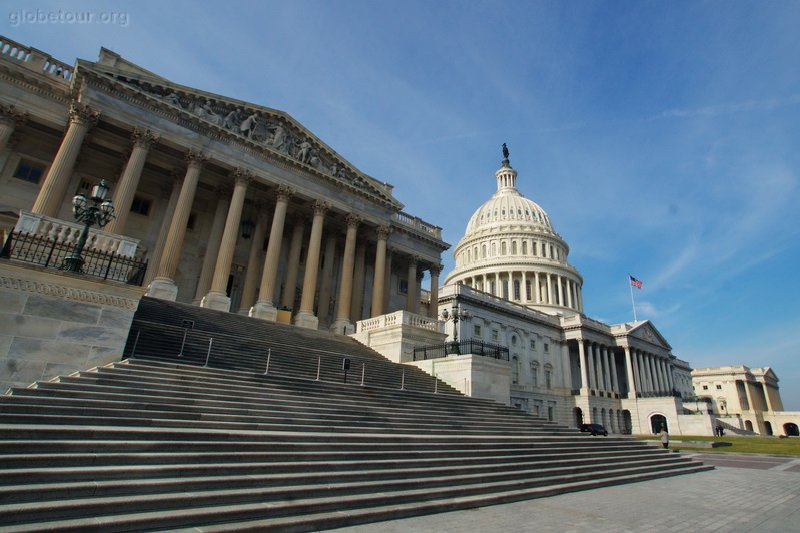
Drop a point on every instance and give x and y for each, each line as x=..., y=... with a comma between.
x=97, y=209
x=455, y=315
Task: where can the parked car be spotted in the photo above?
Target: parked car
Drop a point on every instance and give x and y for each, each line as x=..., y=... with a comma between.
x=594, y=429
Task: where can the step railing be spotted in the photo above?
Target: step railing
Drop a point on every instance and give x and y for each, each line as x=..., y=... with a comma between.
x=191, y=346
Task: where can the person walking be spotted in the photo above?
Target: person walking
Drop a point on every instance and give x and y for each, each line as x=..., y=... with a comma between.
x=664, y=437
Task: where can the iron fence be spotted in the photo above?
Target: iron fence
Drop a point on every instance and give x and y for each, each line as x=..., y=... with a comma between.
x=469, y=346
x=49, y=253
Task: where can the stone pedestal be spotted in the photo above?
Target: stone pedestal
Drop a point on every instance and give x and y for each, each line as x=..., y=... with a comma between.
x=218, y=301
x=264, y=312
x=306, y=319
x=343, y=327
x=163, y=289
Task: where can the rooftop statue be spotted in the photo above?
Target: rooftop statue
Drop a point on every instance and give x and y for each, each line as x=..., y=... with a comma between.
x=505, y=151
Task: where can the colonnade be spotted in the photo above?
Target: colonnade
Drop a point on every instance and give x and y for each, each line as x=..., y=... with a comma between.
x=259, y=294
x=526, y=287
x=598, y=367
x=650, y=374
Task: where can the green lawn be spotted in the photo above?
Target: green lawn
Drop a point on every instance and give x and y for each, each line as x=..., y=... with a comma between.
x=769, y=445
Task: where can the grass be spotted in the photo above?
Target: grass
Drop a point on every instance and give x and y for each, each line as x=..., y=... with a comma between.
x=766, y=445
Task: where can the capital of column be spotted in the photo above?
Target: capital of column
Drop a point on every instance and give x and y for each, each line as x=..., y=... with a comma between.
x=284, y=192
x=144, y=137
x=435, y=269
x=241, y=176
x=383, y=231
x=195, y=159
x=80, y=113
x=12, y=116
x=321, y=207
x=352, y=220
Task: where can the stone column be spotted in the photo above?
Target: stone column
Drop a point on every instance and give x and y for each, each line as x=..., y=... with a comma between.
x=765, y=390
x=293, y=265
x=305, y=317
x=357, y=301
x=254, y=260
x=637, y=368
x=537, y=296
x=380, y=266
x=606, y=370
x=569, y=303
x=143, y=139
x=163, y=286
x=524, y=287
x=214, y=239
x=630, y=373
x=750, y=403
x=323, y=308
x=565, y=363
x=670, y=378
x=217, y=298
x=51, y=195
x=561, y=301
x=155, y=258
x=549, y=289
x=387, y=278
x=411, y=296
x=264, y=308
x=612, y=362
x=433, y=307
x=584, y=364
x=342, y=323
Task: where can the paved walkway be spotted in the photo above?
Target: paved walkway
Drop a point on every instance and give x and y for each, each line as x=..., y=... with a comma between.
x=755, y=493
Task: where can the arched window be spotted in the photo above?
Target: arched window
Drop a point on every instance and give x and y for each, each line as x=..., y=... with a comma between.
x=503, y=250
x=516, y=290
x=494, y=249
x=524, y=247
x=514, y=247
x=483, y=251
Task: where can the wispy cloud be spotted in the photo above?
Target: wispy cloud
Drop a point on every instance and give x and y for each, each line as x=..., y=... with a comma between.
x=766, y=104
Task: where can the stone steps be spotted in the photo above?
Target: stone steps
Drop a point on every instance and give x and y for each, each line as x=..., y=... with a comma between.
x=157, y=444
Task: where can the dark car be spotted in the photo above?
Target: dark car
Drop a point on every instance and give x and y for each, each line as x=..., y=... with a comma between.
x=594, y=429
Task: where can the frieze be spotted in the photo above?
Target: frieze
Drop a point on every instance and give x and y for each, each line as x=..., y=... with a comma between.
x=228, y=121
x=69, y=293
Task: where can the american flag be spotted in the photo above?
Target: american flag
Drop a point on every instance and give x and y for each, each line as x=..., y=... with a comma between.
x=635, y=282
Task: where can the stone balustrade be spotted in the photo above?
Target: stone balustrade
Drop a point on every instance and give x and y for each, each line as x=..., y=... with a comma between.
x=35, y=60
x=58, y=230
x=418, y=224
x=400, y=318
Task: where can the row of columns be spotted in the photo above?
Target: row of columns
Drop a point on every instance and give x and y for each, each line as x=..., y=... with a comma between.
x=648, y=373
x=598, y=367
x=545, y=288
x=212, y=285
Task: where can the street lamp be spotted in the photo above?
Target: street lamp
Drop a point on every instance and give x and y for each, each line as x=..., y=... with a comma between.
x=455, y=315
x=97, y=209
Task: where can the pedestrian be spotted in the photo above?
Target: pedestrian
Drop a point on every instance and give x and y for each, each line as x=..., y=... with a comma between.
x=664, y=437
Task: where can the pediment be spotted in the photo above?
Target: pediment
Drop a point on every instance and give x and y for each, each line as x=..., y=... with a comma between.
x=647, y=332
x=274, y=132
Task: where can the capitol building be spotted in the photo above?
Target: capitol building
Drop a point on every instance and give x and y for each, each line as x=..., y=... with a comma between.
x=239, y=208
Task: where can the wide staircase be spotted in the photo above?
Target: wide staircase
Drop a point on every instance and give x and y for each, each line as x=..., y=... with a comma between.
x=173, y=439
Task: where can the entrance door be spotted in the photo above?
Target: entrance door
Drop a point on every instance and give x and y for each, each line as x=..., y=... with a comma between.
x=657, y=422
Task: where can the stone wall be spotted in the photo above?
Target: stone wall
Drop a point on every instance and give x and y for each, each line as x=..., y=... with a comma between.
x=474, y=375
x=55, y=324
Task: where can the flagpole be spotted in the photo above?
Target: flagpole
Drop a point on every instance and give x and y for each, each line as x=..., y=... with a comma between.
x=633, y=304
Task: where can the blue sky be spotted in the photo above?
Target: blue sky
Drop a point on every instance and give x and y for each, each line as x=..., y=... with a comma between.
x=661, y=137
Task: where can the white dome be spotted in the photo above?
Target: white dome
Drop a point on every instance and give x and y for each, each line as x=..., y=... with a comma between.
x=511, y=251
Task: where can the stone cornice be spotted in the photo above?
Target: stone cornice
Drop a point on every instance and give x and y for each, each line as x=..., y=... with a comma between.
x=68, y=293
x=30, y=83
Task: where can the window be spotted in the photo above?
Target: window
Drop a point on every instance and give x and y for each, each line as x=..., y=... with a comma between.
x=548, y=378
x=516, y=289
x=476, y=330
x=705, y=387
x=533, y=344
x=546, y=347
x=495, y=335
x=403, y=286
x=524, y=247
x=719, y=387
x=514, y=370
x=29, y=171
x=503, y=248
x=514, y=247
x=535, y=374
x=140, y=205
x=513, y=340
